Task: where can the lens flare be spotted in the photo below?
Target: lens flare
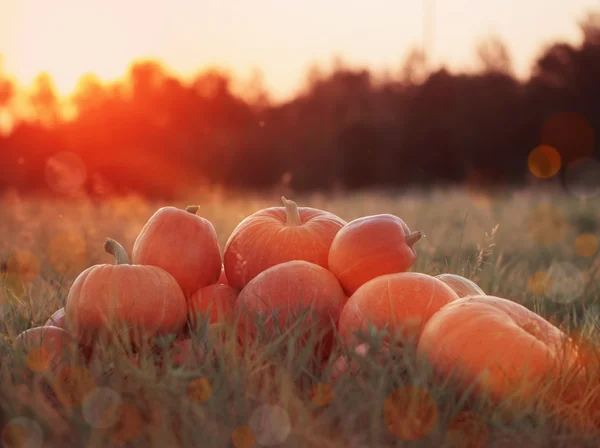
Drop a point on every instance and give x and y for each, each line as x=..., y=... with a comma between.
x=544, y=162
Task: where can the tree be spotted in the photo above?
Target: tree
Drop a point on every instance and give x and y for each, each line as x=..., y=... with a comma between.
x=494, y=56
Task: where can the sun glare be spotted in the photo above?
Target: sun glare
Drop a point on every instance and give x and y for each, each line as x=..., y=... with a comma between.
x=68, y=39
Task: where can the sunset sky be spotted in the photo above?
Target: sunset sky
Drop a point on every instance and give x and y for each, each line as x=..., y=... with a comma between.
x=282, y=38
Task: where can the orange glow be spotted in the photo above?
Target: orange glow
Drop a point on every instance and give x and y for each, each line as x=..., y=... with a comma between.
x=544, y=162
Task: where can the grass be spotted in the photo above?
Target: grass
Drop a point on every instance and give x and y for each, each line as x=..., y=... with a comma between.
x=276, y=394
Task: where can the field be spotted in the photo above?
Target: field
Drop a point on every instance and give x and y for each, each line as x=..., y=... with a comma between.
x=536, y=247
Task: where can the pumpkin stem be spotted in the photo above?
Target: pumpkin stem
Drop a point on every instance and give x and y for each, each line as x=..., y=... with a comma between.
x=413, y=237
x=193, y=209
x=117, y=251
x=291, y=211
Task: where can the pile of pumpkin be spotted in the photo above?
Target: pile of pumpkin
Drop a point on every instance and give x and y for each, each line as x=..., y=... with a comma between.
x=349, y=277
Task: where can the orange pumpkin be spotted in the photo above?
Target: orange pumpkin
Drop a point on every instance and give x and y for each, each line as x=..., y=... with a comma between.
x=461, y=285
x=276, y=235
x=147, y=299
x=183, y=244
x=402, y=302
x=57, y=319
x=47, y=347
x=344, y=365
x=284, y=292
x=517, y=349
x=215, y=301
x=369, y=247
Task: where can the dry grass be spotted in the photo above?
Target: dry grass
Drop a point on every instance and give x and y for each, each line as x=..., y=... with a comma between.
x=499, y=242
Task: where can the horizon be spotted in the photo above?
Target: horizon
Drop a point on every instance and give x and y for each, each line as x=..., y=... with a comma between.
x=282, y=68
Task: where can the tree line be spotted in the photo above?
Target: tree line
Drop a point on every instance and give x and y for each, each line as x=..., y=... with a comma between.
x=155, y=133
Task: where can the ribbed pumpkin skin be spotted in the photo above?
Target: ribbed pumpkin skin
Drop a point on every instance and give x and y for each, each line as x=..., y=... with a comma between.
x=289, y=288
x=264, y=239
x=402, y=302
x=183, y=244
x=146, y=298
x=215, y=301
x=515, y=345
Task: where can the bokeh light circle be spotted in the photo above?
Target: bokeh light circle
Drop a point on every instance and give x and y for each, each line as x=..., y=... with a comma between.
x=243, y=437
x=38, y=359
x=582, y=178
x=547, y=225
x=540, y=283
x=67, y=253
x=566, y=282
x=544, y=162
x=200, y=390
x=101, y=407
x=21, y=432
x=586, y=245
x=322, y=394
x=410, y=413
x=65, y=172
x=467, y=429
x=271, y=424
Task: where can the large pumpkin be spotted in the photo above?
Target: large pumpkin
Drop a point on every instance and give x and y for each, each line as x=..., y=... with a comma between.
x=216, y=302
x=401, y=303
x=286, y=291
x=183, y=244
x=104, y=298
x=496, y=344
x=276, y=235
x=461, y=285
x=369, y=247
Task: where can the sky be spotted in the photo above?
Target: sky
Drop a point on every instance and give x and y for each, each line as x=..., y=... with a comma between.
x=280, y=38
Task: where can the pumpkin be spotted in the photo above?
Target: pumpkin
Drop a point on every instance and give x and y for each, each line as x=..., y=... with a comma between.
x=461, y=285
x=57, y=319
x=215, y=301
x=223, y=277
x=402, y=303
x=276, y=235
x=47, y=347
x=497, y=345
x=183, y=244
x=289, y=290
x=147, y=299
x=369, y=247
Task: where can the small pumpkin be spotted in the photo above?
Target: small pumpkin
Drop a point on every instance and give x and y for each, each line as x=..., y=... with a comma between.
x=217, y=302
x=369, y=247
x=47, y=347
x=146, y=299
x=285, y=291
x=517, y=349
x=57, y=319
x=183, y=244
x=462, y=286
x=276, y=235
x=402, y=303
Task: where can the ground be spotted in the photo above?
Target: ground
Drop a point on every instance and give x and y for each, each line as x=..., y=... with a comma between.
x=536, y=247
